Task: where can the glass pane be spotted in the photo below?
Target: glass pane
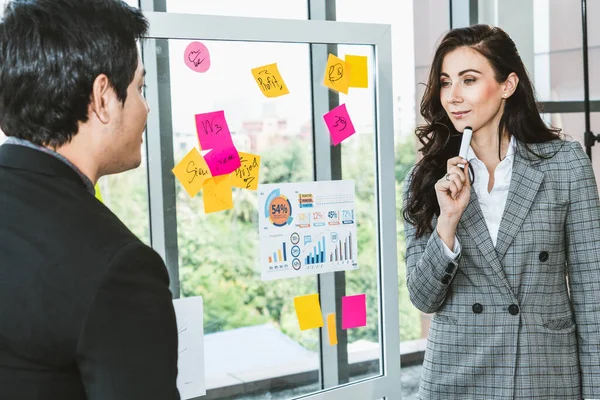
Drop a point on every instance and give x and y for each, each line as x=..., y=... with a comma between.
x=358, y=164
x=400, y=16
x=573, y=125
x=254, y=348
x=593, y=13
x=291, y=9
x=550, y=42
x=126, y=195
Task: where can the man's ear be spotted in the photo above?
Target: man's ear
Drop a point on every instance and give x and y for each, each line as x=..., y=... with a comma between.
x=102, y=93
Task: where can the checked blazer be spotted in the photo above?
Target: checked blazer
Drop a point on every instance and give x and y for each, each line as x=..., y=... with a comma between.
x=520, y=320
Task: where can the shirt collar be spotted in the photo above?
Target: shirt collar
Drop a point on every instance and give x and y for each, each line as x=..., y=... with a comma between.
x=510, y=153
x=26, y=143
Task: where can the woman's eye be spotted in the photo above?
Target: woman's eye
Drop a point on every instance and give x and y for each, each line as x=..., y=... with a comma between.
x=469, y=81
x=445, y=84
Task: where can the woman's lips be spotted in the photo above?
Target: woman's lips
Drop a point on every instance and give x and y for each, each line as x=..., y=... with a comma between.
x=460, y=114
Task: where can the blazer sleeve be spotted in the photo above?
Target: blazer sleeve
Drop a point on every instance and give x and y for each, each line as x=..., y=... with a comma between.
x=429, y=270
x=583, y=263
x=127, y=346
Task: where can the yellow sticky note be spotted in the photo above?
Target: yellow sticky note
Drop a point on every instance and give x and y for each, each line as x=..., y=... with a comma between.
x=246, y=176
x=192, y=172
x=269, y=80
x=308, y=311
x=337, y=76
x=331, y=328
x=98, y=194
x=359, y=78
x=217, y=194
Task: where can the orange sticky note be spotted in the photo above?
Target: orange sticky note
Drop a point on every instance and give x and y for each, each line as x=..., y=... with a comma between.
x=331, y=328
x=269, y=80
x=246, y=176
x=337, y=74
x=359, y=78
x=308, y=311
x=217, y=194
x=192, y=172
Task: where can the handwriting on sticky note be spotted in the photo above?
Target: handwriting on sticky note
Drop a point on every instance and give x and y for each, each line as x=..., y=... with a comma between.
x=359, y=78
x=269, y=80
x=336, y=74
x=217, y=194
x=354, y=311
x=339, y=124
x=191, y=172
x=222, y=161
x=197, y=57
x=331, y=329
x=213, y=131
x=308, y=311
x=246, y=176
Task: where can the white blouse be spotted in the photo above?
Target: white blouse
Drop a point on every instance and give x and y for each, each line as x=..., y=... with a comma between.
x=492, y=203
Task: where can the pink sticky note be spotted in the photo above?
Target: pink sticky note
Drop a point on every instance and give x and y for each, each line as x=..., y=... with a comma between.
x=339, y=124
x=354, y=311
x=197, y=57
x=222, y=161
x=213, y=131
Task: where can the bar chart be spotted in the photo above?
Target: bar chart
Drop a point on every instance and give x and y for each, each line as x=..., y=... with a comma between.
x=317, y=256
x=343, y=250
x=280, y=255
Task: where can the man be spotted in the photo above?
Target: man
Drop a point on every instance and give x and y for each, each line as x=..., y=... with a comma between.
x=85, y=309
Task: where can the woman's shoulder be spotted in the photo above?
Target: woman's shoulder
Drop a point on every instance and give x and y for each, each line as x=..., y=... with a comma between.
x=559, y=150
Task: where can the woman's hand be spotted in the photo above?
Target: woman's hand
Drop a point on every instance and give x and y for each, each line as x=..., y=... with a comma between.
x=453, y=192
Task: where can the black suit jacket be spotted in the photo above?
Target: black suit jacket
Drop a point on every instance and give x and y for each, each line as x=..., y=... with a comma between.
x=85, y=307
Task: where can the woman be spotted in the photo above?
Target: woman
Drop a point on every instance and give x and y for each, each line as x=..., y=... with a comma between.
x=508, y=263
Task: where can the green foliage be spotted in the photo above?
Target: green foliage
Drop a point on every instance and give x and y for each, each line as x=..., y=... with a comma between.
x=218, y=253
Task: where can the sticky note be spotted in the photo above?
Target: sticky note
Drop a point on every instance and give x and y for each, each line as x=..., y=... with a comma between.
x=217, y=194
x=354, y=311
x=213, y=131
x=197, y=57
x=98, y=194
x=269, y=80
x=222, y=161
x=359, y=78
x=339, y=124
x=308, y=311
x=336, y=74
x=246, y=176
x=331, y=329
x=192, y=171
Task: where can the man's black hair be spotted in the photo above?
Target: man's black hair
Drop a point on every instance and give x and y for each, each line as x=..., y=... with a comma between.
x=51, y=51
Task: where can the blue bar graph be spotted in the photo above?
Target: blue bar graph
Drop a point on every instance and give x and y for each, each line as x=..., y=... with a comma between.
x=317, y=256
x=279, y=256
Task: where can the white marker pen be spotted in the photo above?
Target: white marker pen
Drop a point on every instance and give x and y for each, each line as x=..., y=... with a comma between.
x=465, y=143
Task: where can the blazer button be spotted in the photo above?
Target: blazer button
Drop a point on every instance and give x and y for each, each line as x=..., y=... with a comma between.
x=446, y=279
x=477, y=308
x=513, y=309
x=544, y=256
x=450, y=268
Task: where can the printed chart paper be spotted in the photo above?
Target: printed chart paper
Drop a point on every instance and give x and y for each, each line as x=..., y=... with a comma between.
x=190, y=363
x=306, y=228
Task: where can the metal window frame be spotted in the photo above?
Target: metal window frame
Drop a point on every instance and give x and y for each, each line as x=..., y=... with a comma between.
x=164, y=26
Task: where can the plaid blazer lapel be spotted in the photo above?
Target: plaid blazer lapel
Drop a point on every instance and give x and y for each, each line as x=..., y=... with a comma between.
x=473, y=222
x=524, y=185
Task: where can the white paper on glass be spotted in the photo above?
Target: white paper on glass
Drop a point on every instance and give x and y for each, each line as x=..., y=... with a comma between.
x=307, y=228
x=190, y=317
